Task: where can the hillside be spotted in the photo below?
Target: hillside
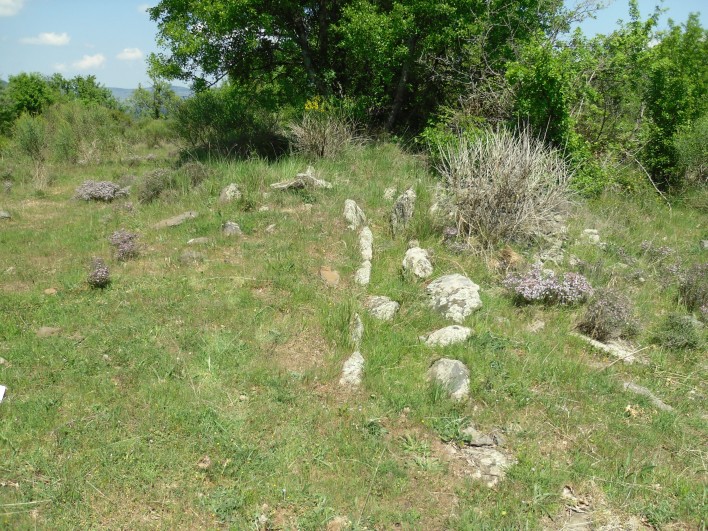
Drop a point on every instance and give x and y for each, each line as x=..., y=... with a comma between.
x=202, y=388
x=122, y=94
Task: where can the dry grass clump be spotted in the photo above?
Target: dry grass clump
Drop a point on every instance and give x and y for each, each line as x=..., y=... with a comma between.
x=196, y=172
x=154, y=184
x=502, y=187
x=609, y=316
x=693, y=289
x=322, y=135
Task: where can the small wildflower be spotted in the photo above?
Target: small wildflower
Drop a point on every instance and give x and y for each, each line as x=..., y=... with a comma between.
x=542, y=285
x=125, y=244
x=99, y=277
x=99, y=191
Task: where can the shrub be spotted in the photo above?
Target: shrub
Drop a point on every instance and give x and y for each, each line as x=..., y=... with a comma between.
x=155, y=183
x=99, y=276
x=503, y=187
x=322, y=134
x=678, y=332
x=196, y=172
x=609, y=316
x=543, y=286
x=125, y=244
x=691, y=146
x=99, y=191
x=693, y=289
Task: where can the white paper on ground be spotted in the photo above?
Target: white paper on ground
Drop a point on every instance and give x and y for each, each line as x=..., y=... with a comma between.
x=2, y=392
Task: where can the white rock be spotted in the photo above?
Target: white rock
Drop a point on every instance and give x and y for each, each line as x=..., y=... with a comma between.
x=353, y=215
x=455, y=296
x=366, y=244
x=230, y=193
x=306, y=179
x=363, y=274
x=447, y=336
x=2, y=392
x=381, y=307
x=417, y=262
x=592, y=236
x=617, y=349
x=357, y=330
x=640, y=390
x=231, y=228
x=453, y=376
x=403, y=210
x=389, y=194
x=353, y=370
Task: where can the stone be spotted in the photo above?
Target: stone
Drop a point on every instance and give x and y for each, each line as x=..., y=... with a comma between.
x=643, y=391
x=381, y=307
x=617, y=349
x=204, y=463
x=452, y=375
x=4, y=362
x=4, y=214
x=403, y=210
x=472, y=437
x=389, y=194
x=357, y=330
x=704, y=245
x=230, y=193
x=366, y=244
x=270, y=229
x=417, y=262
x=363, y=274
x=484, y=463
x=592, y=236
x=352, y=371
x=231, y=228
x=329, y=275
x=447, y=336
x=306, y=179
x=454, y=296
x=176, y=220
x=48, y=331
x=339, y=523
x=50, y=291
x=353, y=215
x=191, y=257
x=199, y=241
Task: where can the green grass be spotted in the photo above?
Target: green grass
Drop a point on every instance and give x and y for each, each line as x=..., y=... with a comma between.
x=238, y=359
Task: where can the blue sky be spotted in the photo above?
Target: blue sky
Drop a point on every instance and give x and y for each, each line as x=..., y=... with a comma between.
x=111, y=39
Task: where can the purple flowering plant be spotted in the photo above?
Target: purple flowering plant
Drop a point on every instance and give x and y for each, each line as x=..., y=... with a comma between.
x=543, y=286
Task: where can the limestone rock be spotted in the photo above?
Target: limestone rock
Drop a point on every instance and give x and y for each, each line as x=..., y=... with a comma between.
x=616, y=348
x=472, y=437
x=366, y=244
x=453, y=376
x=381, y=307
x=198, y=241
x=176, y=220
x=363, y=274
x=389, y=194
x=230, y=193
x=353, y=370
x=592, y=236
x=447, y=336
x=357, y=330
x=4, y=214
x=231, y=228
x=640, y=390
x=417, y=262
x=455, y=296
x=306, y=179
x=484, y=463
x=403, y=210
x=704, y=243
x=353, y=215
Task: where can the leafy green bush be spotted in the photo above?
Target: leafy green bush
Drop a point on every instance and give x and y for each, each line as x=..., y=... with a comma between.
x=609, y=316
x=691, y=146
x=678, y=332
x=154, y=184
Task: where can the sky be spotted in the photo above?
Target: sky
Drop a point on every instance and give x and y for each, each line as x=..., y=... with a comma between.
x=111, y=39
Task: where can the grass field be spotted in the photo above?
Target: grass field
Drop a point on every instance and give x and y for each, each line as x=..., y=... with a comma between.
x=206, y=395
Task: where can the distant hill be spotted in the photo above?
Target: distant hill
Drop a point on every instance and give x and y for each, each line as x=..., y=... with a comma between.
x=122, y=94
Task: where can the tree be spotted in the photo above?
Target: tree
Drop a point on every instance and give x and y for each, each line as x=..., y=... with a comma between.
x=85, y=89
x=156, y=102
x=30, y=93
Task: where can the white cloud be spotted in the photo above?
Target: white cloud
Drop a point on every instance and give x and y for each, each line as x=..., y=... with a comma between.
x=130, y=54
x=60, y=67
x=88, y=62
x=142, y=8
x=49, y=39
x=9, y=8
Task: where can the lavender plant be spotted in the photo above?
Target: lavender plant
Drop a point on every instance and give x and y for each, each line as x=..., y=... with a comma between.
x=540, y=285
x=99, y=276
x=125, y=244
x=609, y=316
x=99, y=191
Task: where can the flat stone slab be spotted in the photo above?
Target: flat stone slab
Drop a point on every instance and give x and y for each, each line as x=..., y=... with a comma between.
x=329, y=275
x=4, y=214
x=617, y=349
x=484, y=463
x=453, y=376
x=381, y=307
x=199, y=241
x=643, y=391
x=306, y=179
x=176, y=220
x=352, y=371
x=454, y=296
x=447, y=336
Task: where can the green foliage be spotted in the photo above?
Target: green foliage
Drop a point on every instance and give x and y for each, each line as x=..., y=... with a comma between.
x=691, y=145
x=30, y=137
x=159, y=101
x=29, y=93
x=154, y=184
x=676, y=94
x=678, y=332
x=84, y=89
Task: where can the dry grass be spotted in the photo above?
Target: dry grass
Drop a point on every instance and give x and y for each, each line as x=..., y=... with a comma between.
x=320, y=135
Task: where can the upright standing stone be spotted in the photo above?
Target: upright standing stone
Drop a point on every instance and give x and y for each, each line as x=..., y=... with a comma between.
x=403, y=210
x=353, y=215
